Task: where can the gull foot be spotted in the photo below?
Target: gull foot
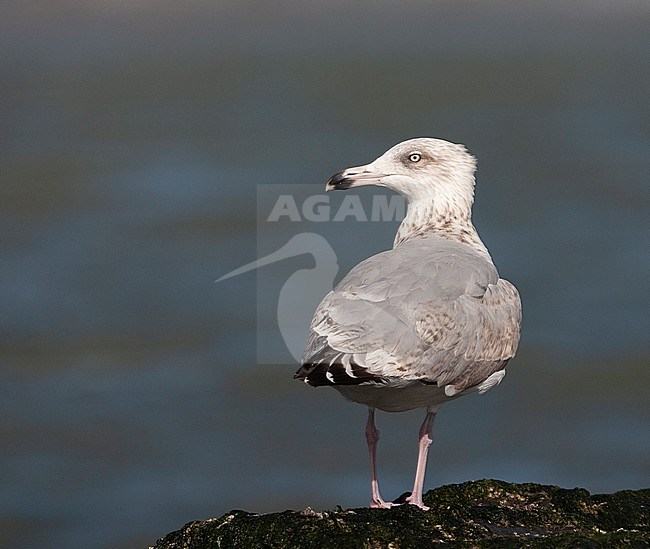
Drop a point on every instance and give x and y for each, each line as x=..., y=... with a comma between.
x=417, y=502
x=407, y=497
x=381, y=504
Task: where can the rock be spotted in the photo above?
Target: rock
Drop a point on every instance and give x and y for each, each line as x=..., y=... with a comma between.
x=486, y=513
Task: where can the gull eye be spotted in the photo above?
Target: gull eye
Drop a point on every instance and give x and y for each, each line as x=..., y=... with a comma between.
x=415, y=157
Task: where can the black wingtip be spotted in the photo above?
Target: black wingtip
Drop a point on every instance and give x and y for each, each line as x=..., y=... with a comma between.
x=303, y=372
x=319, y=374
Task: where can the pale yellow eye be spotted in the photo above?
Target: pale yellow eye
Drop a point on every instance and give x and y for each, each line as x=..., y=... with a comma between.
x=415, y=157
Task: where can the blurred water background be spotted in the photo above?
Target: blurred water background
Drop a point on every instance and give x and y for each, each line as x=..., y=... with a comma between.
x=134, y=138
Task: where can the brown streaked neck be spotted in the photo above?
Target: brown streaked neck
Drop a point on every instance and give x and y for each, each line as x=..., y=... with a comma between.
x=428, y=217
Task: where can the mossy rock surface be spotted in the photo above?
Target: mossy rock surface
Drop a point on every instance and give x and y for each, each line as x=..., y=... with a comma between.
x=486, y=513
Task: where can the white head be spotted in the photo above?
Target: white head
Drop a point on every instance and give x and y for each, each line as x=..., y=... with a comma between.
x=419, y=169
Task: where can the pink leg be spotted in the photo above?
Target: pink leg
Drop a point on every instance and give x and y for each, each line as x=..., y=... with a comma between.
x=372, y=436
x=423, y=449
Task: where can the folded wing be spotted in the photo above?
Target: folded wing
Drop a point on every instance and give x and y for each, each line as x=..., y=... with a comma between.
x=431, y=310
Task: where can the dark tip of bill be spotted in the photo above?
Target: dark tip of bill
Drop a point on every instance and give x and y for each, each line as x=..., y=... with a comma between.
x=338, y=180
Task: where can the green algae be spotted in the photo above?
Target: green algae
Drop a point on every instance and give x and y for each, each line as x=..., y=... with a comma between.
x=486, y=513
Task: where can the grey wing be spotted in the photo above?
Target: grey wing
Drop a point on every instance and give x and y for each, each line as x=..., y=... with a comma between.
x=433, y=311
x=480, y=336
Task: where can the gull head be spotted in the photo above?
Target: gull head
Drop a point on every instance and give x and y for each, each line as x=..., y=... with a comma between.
x=419, y=169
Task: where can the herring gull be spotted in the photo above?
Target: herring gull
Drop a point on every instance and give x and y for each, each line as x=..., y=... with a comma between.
x=425, y=322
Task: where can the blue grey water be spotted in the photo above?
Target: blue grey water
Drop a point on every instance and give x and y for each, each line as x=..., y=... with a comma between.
x=135, y=139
